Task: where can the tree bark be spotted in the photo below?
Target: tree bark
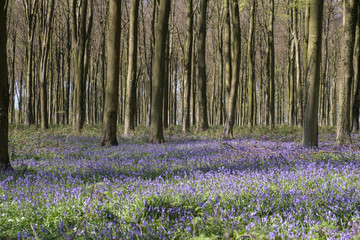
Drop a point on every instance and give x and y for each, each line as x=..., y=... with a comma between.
x=79, y=44
x=4, y=93
x=112, y=83
x=31, y=7
x=251, y=64
x=235, y=66
x=187, y=67
x=310, y=129
x=356, y=104
x=47, y=15
x=299, y=85
x=203, y=117
x=132, y=70
x=271, y=46
x=156, y=128
x=345, y=82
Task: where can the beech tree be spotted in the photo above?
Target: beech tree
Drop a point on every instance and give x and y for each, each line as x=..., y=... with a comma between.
x=346, y=80
x=112, y=83
x=235, y=66
x=156, y=126
x=80, y=35
x=187, y=65
x=310, y=129
x=4, y=92
x=46, y=22
x=203, y=113
x=132, y=70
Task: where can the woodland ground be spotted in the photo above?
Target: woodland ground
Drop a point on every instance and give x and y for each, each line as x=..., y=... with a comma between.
x=261, y=185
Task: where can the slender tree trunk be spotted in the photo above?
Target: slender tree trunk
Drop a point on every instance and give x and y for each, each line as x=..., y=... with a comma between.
x=299, y=85
x=4, y=93
x=112, y=83
x=271, y=53
x=347, y=56
x=306, y=36
x=152, y=46
x=156, y=134
x=251, y=64
x=227, y=55
x=132, y=70
x=48, y=9
x=203, y=116
x=12, y=81
x=310, y=129
x=187, y=67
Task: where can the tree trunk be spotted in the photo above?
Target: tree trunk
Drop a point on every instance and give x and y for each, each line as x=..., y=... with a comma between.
x=271, y=53
x=132, y=70
x=345, y=81
x=227, y=55
x=112, y=83
x=235, y=66
x=31, y=17
x=4, y=93
x=203, y=117
x=156, y=128
x=12, y=82
x=356, y=104
x=47, y=14
x=79, y=45
x=299, y=85
x=310, y=129
x=187, y=67
x=251, y=64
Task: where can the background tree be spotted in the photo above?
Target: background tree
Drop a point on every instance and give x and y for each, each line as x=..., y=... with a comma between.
x=4, y=92
x=46, y=22
x=156, y=127
x=310, y=129
x=112, y=84
x=345, y=83
x=251, y=66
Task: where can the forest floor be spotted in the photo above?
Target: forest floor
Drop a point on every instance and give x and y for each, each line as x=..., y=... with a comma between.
x=261, y=185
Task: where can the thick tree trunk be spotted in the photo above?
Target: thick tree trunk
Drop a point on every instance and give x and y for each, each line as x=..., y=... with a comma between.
x=132, y=70
x=203, y=117
x=112, y=83
x=79, y=45
x=156, y=134
x=235, y=66
x=356, y=104
x=310, y=129
x=4, y=93
x=345, y=81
